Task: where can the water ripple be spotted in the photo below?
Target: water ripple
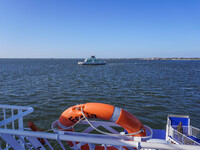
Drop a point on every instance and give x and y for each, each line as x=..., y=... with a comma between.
x=148, y=89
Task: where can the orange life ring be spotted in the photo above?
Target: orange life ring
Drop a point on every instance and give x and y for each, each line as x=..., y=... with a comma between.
x=101, y=111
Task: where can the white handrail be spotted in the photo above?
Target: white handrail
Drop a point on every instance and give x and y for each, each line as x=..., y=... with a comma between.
x=59, y=136
x=14, y=107
x=91, y=138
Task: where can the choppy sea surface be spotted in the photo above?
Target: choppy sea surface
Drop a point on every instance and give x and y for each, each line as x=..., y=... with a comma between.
x=150, y=90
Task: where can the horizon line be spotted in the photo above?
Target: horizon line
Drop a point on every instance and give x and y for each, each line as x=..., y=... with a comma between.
x=100, y=58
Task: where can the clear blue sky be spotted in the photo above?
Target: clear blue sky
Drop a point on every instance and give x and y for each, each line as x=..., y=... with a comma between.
x=105, y=28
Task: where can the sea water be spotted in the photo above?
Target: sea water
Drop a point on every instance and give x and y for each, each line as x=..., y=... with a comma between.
x=149, y=89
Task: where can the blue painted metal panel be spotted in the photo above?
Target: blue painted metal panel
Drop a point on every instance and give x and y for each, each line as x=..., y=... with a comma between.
x=158, y=134
x=176, y=120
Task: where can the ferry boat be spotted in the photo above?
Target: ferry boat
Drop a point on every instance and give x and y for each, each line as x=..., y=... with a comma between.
x=92, y=61
x=135, y=135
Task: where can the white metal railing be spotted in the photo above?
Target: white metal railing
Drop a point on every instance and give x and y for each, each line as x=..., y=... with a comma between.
x=98, y=139
x=14, y=136
x=180, y=138
x=194, y=132
x=11, y=114
x=12, y=118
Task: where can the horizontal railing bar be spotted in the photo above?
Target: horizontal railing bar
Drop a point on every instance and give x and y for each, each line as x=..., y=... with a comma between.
x=194, y=128
x=15, y=107
x=98, y=140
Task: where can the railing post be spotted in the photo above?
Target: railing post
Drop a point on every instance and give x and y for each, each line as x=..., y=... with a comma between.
x=20, y=120
x=4, y=117
x=167, y=132
x=13, y=122
x=20, y=124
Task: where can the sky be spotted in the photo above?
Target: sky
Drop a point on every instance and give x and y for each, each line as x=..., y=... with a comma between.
x=104, y=28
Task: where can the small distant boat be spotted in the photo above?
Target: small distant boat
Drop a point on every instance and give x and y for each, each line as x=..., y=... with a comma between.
x=92, y=61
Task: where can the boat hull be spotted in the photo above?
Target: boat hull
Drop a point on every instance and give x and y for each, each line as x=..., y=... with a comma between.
x=91, y=63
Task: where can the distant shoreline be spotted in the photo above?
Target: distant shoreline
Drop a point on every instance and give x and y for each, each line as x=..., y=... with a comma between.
x=155, y=58
x=174, y=58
